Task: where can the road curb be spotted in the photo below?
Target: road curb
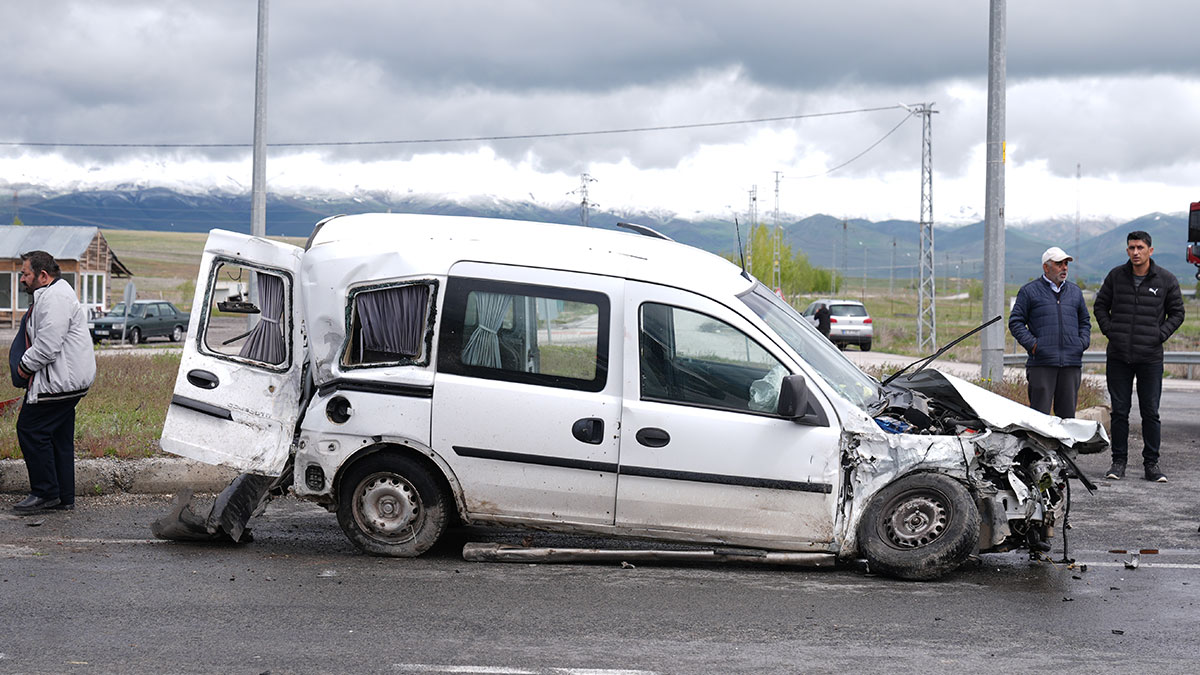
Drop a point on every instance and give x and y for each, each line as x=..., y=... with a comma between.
x=153, y=475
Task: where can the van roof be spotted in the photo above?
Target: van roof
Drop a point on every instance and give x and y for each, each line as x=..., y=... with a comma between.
x=431, y=244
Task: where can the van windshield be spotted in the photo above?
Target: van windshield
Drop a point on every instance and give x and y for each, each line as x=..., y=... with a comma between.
x=833, y=366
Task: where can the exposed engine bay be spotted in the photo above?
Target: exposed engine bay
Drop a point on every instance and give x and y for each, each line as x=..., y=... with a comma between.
x=1014, y=461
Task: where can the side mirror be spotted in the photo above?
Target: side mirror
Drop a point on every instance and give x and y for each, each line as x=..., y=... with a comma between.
x=793, y=397
x=795, y=403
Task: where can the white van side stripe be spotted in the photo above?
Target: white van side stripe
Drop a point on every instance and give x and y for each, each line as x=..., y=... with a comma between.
x=643, y=472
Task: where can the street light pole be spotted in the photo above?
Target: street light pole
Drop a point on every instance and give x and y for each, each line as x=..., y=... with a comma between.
x=992, y=361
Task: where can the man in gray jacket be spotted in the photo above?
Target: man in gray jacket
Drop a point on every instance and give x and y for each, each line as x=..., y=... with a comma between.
x=60, y=365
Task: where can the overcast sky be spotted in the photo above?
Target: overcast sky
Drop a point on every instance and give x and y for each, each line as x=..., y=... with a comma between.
x=1113, y=86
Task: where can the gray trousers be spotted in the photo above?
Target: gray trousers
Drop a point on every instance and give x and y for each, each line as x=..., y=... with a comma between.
x=1052, y=386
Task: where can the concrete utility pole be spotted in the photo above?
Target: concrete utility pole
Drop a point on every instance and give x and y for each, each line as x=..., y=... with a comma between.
x=927, y=303
x=1079, y=174
x=892, y=272
x=992, y=362
x=258, y=189
x=777, y=239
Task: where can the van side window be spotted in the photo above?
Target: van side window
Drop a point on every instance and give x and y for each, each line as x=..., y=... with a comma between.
x=263, y=340
x=695, y=359
x=390, y=325
x=543, y=335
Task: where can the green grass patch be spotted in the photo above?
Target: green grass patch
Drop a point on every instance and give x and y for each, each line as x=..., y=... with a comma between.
x=123, y=414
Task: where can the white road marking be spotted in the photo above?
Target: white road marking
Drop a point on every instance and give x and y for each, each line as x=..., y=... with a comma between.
x=505, y=670
x=1142, y=563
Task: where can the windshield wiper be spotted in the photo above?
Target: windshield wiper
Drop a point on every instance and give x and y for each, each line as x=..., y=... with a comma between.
x=930, y=359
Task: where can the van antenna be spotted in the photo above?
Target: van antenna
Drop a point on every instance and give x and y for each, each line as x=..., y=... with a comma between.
x=741, y=251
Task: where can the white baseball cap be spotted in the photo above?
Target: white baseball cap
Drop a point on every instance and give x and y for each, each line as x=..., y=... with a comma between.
x=1056, y=254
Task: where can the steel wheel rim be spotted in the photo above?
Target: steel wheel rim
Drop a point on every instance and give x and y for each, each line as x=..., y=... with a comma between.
x=387, y=507
x=916, y=519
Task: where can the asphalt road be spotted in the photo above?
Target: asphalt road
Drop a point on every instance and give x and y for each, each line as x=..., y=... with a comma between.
x=89, y=591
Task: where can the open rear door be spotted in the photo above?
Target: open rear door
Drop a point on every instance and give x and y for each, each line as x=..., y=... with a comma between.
x=237, y=395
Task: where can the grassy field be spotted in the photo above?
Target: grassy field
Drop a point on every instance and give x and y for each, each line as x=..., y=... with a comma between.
x=122, y=415
x=164, y=264
x=894, y=317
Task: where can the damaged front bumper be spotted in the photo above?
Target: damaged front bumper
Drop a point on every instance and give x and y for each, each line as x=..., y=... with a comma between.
x=1014, y=461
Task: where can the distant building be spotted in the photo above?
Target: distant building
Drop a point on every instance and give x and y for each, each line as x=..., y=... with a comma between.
x=83, y=254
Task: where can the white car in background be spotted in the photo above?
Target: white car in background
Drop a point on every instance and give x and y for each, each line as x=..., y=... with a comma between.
x=849, y=322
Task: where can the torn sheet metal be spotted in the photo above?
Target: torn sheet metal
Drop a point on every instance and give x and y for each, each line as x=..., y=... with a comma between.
x=1002, y=414
x=245, y=498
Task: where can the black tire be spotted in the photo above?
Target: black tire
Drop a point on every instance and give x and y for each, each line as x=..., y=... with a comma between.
x=866, y=346
x=135, y=336
x=919, y=527
x=390, y=505
x=176, y=333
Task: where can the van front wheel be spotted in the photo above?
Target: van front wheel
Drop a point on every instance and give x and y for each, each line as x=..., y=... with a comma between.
x=920, y=527
x=389, y=505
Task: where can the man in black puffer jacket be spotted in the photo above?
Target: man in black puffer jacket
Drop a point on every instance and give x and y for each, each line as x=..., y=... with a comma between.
x=1050, y=320
x=1138, y=307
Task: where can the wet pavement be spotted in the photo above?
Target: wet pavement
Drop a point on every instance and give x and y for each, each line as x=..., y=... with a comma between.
x=90, y=591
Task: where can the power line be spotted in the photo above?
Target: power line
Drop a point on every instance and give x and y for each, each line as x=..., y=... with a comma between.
x=463, y=139
x=869, y=148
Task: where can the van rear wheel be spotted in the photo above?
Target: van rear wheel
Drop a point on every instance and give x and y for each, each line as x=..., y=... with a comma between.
x=919, y=527
x=390, y=505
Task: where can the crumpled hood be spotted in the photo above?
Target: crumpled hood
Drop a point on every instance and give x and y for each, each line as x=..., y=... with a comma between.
x=1002, y=414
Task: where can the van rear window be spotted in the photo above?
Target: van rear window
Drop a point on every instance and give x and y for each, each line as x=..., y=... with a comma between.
x=389, y=325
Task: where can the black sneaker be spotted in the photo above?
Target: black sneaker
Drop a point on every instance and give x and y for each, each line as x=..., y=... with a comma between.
x=1116, y=471
x=1154, y=475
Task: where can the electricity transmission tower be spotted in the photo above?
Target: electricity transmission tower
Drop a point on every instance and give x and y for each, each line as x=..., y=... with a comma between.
x=584, y=204
x=777, y=238
x=752, y=218
x=927, y=307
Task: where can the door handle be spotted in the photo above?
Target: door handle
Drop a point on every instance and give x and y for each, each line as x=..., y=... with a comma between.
x=588, y=430
x=203, y=379
x=652, y=437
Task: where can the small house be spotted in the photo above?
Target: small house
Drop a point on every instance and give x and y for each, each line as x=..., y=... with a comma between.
x=86, y=261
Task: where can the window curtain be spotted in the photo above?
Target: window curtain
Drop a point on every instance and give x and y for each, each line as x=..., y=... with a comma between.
x=392, y=320
x=266, y=341
x=483, y=347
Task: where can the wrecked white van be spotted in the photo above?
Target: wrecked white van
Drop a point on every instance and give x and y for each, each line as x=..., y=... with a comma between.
x=411, y=371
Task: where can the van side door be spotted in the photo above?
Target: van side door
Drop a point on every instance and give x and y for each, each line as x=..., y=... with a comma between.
x=237, y=395
x=526, y=399
x=703, y=451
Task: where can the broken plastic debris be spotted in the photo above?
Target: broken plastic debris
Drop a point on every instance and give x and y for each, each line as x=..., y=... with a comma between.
x=627, y=565
x=325, y=574
x=1118, y=632
x=1133, y=561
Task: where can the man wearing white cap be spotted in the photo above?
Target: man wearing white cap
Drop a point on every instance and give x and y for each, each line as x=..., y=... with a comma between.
x=1050, y=320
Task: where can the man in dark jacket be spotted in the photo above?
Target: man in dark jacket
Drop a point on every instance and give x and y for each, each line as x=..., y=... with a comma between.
x=822, y=317
x=1050, y=320
x=1138, y=307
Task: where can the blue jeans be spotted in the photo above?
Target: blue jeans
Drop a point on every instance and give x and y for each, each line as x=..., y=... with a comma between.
x=1120, y=376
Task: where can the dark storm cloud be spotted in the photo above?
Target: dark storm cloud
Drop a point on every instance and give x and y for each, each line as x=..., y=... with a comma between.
x=124, y=71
